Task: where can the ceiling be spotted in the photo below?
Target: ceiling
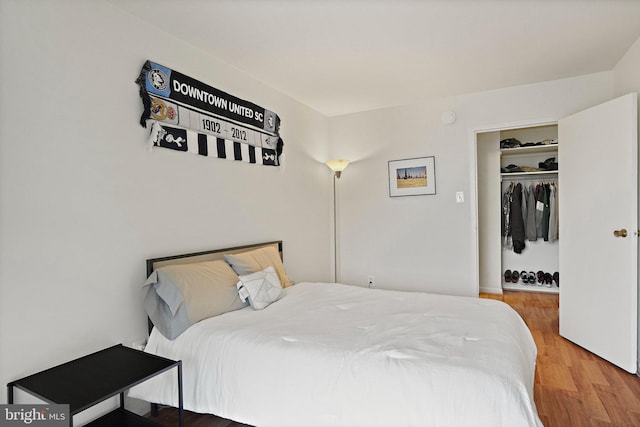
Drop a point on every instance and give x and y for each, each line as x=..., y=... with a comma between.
x=345, y=56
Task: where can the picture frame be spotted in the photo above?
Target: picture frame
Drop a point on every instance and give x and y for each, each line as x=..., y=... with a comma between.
x=412, y=177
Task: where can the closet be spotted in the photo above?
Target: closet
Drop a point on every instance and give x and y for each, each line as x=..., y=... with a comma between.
x=530, y=169
x=512, y=164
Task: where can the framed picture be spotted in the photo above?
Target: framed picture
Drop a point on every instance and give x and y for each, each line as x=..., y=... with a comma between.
x=412, y=177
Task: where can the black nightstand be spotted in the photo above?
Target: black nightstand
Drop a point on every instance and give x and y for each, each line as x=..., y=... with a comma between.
x=92, y=379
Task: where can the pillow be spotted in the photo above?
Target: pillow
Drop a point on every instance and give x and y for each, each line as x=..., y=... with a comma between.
x=180, y=295
x=257, y=260
x=260, y=288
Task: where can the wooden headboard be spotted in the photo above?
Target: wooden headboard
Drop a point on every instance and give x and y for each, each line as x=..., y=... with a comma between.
x=210, y=255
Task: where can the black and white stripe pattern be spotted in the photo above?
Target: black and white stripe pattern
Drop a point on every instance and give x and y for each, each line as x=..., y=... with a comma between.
x=208, y=145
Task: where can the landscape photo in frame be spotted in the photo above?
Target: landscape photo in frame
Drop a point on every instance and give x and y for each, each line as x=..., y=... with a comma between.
x=412, y=177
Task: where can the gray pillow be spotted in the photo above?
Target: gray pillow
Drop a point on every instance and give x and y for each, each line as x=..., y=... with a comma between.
x=179, y=296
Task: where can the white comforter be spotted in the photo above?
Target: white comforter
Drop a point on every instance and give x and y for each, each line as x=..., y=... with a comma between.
x=337, y=355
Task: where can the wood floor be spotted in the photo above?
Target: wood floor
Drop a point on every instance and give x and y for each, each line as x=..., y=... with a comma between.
x=572, y=386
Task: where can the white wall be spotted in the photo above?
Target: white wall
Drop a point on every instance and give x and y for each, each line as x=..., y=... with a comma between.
x=428, y=243
x=83, y=202
x=627, y=72
x=489, y=224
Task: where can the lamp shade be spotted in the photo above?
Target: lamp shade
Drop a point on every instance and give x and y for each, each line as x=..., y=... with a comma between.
x=337, y=166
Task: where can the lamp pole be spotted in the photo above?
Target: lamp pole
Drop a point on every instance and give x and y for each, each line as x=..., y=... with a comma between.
x=337, y=166
x=335, y=232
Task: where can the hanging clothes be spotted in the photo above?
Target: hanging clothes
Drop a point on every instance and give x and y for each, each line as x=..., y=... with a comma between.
x=553, y=213
x=529, y=213
x=556, y=228
x=545, y=212
x=539, y=191
x=506, y=217
x=532, y=234
x=517, y=222
x=525, y=192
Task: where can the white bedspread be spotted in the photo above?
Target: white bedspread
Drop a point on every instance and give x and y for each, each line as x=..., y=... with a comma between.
x=336, y=355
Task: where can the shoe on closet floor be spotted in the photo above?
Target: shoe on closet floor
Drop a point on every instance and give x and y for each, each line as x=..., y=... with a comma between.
x=532, y=278
x=515, y=276
x=507, y=276
x=548, y=280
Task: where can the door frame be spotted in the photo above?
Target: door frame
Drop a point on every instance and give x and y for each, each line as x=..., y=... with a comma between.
x=473, y=143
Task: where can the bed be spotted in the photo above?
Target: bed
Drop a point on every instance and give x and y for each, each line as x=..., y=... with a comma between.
x=329, y=354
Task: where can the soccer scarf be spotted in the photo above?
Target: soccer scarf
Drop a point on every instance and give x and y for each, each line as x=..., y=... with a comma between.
x=188, y=115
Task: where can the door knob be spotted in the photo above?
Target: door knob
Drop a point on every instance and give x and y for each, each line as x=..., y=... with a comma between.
x=620, y=233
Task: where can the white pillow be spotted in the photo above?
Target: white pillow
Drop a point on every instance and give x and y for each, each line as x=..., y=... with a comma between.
x=260, y=288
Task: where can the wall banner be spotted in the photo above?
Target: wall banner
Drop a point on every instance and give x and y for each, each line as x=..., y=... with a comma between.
x=179, y=101
x=187, y=140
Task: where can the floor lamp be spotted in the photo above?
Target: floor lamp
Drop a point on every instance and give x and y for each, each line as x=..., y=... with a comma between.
x=337, y=166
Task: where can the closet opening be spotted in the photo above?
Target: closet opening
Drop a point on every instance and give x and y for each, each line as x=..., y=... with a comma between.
x=517, y=209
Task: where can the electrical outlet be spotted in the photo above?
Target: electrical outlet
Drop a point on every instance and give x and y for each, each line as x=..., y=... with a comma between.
x=372, y=281
x=459, y=197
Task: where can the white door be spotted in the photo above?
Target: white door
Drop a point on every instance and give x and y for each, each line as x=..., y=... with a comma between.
x=598, y=187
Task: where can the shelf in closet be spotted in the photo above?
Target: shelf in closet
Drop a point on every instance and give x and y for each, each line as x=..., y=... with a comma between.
x=532, y=149
x=530, y=288
x=545, y=148
x=521, y=174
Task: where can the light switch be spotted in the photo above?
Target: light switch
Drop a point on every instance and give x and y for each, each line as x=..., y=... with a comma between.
x=459, y=197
